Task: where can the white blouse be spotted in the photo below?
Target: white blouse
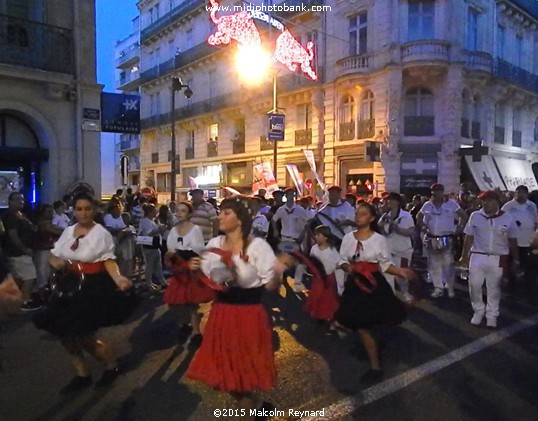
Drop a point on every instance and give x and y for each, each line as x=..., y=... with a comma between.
x=257, y=271
x=193, y=240
x=330, y=260
x=96, y=246
x=375, y=249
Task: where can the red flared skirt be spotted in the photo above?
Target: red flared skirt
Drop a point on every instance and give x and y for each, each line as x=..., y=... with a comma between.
x=186, y=287
x=236, y=354
x=323, y=300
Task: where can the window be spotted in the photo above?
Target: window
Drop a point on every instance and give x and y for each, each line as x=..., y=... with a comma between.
x=466, y=114
x=519, y=51
x=536, y=130
x=163, y=182
x=367, y=106
x=304, y=117
x=471, y=42
x=171, y=48
x=421, y=20
x=214, y=132
x=358, y=34
x=419, y=113
x=189, y=143
x=158, y=103
x=499, y=123
x=516, y=127
x=152, y=108
x=347, y=118
x=476, y=118
x=500, y=41
x=189, y=39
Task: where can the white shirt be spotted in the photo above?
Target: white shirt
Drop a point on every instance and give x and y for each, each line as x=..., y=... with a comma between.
x=193, y=240
x=293, y=220
x=60, y=220
x=260, y=224
x=526, y=215
x=330, y=258
x=112, y=222
x=375, y=249
x=96, y=246
x=440, y=220
x=491, y=235
x=339, y=213
x=398, y=243
x=257, y=271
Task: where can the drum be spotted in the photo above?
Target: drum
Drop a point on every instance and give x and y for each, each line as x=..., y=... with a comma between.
x=66, y=283
x=439, y=243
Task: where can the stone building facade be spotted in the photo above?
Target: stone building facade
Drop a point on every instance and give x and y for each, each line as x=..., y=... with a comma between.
x=49, y=99
x=432, y=82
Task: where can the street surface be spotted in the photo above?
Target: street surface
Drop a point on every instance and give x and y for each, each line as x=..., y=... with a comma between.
x=437, y=367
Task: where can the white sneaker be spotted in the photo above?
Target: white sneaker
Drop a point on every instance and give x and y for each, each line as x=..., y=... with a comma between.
x=408, y=297
x=491, y=322
x=437, y=292
x=451, y=292
x=477, y=319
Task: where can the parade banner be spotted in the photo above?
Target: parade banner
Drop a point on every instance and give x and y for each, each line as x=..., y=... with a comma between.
x=295, y=177
x=309, y=155
x=263, y=177
x=192, y=182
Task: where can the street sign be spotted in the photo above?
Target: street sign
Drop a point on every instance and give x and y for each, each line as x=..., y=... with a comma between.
x=277, y=125
x=372, y=151
x=91, y=113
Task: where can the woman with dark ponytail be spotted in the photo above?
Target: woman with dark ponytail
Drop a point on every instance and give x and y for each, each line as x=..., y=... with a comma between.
x=236, y=355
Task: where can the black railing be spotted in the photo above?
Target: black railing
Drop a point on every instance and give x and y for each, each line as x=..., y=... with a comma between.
x=347, y=131
x=189, y=153
x=498, y=136
x=475, y=130
x=514, y=74
x=212, y=148
x=266, y=144
x=530, y=6
x=155, y=158
x=303, y=137
x=36, y=45
x=239, y=144
x=419, y=125
x=516, y=138
x=366, y=128
x=169, y=18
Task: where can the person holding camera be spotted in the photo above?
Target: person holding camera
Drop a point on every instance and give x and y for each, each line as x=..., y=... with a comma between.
x=524, y=213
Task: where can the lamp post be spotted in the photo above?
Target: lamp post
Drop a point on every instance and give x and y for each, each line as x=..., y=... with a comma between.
x=177, y=85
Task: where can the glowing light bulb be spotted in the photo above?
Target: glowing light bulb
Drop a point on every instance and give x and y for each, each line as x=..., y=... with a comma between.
x=252, y=63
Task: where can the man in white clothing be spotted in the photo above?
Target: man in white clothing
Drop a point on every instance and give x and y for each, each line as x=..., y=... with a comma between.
x=490, y=235
x=436, y=220
x=337, y=214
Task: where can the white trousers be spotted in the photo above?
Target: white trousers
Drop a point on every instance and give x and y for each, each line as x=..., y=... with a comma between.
x=441, y=268
x=485, y=268
x=397, y=260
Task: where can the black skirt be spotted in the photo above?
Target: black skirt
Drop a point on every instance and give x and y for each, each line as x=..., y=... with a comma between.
x=98, y=304
x=361, y=310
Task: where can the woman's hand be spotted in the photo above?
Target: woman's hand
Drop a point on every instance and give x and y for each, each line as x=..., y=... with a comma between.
x=123, y=283
x=195, y=263
x=57, y=263
x=346, y=267
x=407, y=274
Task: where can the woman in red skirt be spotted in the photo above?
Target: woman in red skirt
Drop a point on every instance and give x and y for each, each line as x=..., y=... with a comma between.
x=236, y=355
x=188, y=285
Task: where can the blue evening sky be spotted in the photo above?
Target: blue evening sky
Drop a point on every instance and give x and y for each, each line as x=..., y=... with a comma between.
x=114, y=22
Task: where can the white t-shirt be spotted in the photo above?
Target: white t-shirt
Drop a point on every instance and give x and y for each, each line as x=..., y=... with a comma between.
x=112, y=222
x=526, y=215
x=60, y=220
x=338, y=213
x=96, y=246
x=293, y=220
x=398, y=243
x=491, y=234
x=330, y=258
x=257, y=271
x=375, y=249
x=440, y=220
x=193, y=240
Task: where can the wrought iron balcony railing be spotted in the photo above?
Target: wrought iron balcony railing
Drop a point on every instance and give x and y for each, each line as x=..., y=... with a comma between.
x=265, y=144
x=36, y=45
x=189, y=153
x=303, y=137
x=212, y=148
x=169, y=18
x=514, y=74
x=366, y=128
x=419, y=125
x=239, y=144
x=347, y=130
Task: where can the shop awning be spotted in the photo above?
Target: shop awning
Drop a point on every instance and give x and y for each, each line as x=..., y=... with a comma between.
x=516, y=172
x=485, y=173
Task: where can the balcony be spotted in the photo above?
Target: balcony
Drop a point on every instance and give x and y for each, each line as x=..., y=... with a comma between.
x=303, y=137
x=516, y=75
x=425, y=52
x=128, y=57
x=239, y=143
x=366, y=129
x=265, y=144
x=529, y=6
x=189, y=153
x=36, y=45
x=128, y=81
x=157, y=71
x=498, y=136
x=353, y=64
x=516, y=138
x=171, y=17
x=155, y=158
x=478, y=61
x=419, y=125
x=347, y=131
x=212, y=148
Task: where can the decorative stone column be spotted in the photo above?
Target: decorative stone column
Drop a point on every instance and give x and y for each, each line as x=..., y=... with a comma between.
x=390, y=154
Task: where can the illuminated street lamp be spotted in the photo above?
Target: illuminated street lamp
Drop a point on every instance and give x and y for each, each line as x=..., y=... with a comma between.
x=177, y=85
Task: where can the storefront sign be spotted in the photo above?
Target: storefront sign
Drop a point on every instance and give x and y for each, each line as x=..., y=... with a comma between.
x=277, y=125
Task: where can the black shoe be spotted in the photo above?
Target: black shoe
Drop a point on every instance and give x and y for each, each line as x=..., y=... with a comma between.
x=371, y=376
x=196, y=340
x=265, y=408
x=108, y=377
x=76, y=384
x=30, y=305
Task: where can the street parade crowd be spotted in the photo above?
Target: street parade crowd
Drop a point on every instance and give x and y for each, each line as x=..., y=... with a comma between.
x=76, y=264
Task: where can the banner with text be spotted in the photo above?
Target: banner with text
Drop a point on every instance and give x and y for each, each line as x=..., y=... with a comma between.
x=312, y=162
x=295, y=177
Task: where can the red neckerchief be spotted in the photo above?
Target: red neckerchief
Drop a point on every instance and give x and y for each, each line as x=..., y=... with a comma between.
x=226, y=256
x=500, y=213
x=75, y=244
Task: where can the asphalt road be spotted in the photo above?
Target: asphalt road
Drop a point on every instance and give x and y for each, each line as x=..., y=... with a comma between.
x=437, y=367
